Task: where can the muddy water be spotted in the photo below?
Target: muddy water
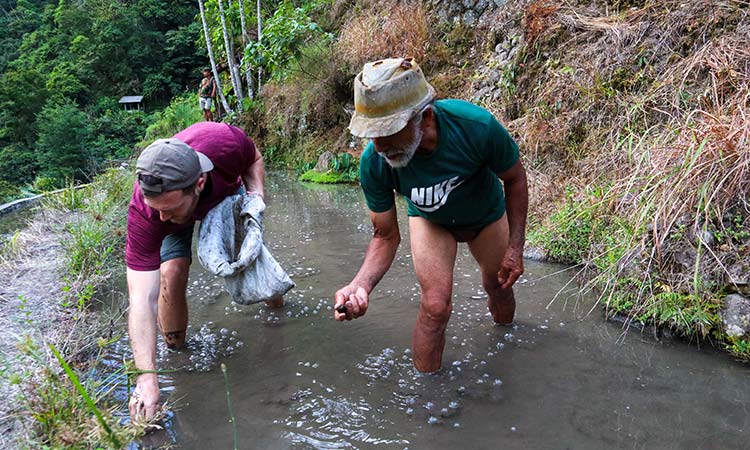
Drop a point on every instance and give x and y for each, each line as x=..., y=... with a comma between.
x=15, y=221
x=555, y=380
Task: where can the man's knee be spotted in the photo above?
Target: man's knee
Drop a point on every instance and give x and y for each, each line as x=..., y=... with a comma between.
x=175, y=271
x=435, y=309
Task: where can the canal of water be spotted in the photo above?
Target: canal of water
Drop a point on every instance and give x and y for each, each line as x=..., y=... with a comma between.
x=557, y=379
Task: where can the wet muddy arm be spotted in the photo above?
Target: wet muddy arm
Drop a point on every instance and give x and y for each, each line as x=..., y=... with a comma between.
x=381, y=251
x=143, y=288
x=254, y=176
x=517, y=205
x=352, y=300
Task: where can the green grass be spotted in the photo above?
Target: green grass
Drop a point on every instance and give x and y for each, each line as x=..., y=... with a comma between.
x=97, y=235
x=740, y=347
x=68, y=411
x=344, y=168
x=583, y=230
x=329, y=177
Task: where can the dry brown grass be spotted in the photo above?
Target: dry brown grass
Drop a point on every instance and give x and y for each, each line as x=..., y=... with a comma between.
x=593, y=81
x=648, y=104
x=391, y=30
x=536, y=19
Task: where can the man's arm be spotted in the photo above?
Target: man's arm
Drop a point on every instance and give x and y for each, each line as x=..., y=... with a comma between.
x=517, y=206
x=254, y=176
x=143, y=288
x=378, y=259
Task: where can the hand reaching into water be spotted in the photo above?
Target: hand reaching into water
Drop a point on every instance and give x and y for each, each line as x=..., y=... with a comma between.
x=144, y=401
x=511, y=267
x=350, y=302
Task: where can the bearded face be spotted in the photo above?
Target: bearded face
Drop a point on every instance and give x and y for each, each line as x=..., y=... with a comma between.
x=399, y=149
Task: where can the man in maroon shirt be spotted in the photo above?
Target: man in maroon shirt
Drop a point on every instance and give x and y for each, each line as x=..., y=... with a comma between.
x=178, y=181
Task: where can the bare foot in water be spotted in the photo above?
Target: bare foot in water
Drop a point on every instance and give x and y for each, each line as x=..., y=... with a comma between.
x=277, y=302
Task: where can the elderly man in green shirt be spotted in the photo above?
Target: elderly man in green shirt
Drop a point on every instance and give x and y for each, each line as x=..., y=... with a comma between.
x=446, y=158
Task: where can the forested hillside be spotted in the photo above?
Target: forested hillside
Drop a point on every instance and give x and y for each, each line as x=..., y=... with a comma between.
x=64, y=66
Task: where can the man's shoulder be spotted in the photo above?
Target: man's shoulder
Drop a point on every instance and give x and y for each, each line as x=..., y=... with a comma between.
x=368, y=152
x=372, y=166
x=462, y=110
x=371, y=159
x=211, y=138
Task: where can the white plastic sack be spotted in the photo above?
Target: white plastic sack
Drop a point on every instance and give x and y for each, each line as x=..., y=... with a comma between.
x=230, y=244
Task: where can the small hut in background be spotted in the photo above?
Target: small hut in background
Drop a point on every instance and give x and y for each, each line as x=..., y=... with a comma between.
x=132, y=102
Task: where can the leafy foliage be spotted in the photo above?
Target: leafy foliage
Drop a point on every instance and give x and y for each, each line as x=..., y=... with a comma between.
x=181, y=113
x=344, y=168
x=64, y=144
x=84, y=56
x=8, y=191
x=285, y=35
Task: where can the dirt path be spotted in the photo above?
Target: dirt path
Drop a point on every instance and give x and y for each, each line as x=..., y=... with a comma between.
x=30, y=293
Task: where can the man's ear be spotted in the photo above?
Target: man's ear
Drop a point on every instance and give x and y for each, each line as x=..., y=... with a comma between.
x=428, y=118
x=200, y=184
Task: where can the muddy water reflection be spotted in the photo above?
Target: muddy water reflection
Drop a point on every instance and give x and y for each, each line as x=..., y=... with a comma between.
x=300, y=380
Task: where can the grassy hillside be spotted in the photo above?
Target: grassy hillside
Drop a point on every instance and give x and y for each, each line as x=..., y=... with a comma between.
x=631, y=115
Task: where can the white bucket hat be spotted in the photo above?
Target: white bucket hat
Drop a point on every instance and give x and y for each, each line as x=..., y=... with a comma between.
x=387, y=94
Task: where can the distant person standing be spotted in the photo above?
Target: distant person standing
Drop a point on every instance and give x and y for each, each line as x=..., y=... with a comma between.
x=207, y=92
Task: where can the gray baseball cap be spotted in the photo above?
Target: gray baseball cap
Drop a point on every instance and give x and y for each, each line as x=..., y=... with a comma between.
x=171, y=165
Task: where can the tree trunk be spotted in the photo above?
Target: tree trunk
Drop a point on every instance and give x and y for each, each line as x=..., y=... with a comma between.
x=210, y=49
x=243, y=63
x=233, y=71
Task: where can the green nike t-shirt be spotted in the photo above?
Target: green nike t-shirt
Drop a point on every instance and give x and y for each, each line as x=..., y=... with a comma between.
x=457, y=184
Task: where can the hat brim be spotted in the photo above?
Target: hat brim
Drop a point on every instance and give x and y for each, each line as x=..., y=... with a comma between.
x=206, y=164
x=373, y=127
x=367, y=127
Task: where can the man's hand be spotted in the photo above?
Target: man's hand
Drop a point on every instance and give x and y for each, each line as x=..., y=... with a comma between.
x=350, y=302
x=511, y=268
x=144, y=401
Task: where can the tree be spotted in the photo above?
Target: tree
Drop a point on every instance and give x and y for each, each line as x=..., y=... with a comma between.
x=234, y=74
x=260, y=35
x=285, y=35
x=244, y=62
x=210, y=49
x=64, y=143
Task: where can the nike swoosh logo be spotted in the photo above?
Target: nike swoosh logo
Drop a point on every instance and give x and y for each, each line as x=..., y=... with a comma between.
x=429, y=199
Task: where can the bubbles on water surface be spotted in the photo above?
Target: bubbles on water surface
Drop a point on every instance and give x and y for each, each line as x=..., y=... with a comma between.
x=203, y=349
x=333, y=422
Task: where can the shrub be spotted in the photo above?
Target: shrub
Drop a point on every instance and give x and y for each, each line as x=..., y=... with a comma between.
x=344, y=169
x=64, y=143
x=182, y=112
x=8, y=191
x=45, y=184
x=18, y=164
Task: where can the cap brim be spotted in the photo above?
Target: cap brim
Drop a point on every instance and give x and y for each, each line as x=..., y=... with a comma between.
x=206, y=164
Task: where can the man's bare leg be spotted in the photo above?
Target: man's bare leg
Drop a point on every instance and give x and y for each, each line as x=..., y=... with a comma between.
x=434, y=254
x=172, y=311
x=488, y=249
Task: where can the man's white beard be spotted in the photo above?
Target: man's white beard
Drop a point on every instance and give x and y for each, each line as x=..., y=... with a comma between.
x=402, y=155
